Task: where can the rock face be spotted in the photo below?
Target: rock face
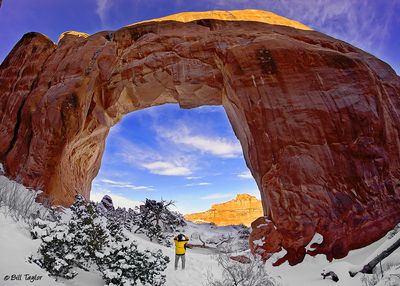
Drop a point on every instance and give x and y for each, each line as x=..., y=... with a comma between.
x=243, y=209
x=106, y=204
x=318, y=119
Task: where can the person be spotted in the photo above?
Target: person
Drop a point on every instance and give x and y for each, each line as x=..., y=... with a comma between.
x=180, y=249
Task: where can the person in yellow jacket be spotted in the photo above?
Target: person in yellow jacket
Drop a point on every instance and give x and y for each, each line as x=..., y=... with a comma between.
x=180, y=249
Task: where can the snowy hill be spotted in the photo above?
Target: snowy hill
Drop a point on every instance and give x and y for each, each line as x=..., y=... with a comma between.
x=16, y=245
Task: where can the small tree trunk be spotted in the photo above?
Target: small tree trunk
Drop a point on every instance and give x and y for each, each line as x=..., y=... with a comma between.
x=371, y=265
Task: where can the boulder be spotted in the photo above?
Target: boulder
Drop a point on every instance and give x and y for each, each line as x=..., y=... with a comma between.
x=106, y=204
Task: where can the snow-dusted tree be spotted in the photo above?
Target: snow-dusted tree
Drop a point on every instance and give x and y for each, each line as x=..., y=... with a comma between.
x=157, y=221
x=127, y=218
x=88, y=232
x=242, y=240
x=55, y=250
x=90, y=240
x=243, y=231
x=240, y=274
x=76, y=243
x=124, y=264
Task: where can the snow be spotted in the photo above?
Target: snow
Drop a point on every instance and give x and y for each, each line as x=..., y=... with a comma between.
x=383, y=247
x=276, y=256
x=16, y=246
x=317, y=239
x=258, y=242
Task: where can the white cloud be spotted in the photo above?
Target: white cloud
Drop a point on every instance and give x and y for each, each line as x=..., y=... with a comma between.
x=102, y=7
x=216, y=196
x=166, y=161
x=198, y=184
x=122, y=185
x=166, y=169
x=354, y=21
x=118, y=200
x=217, y=146
x=245, y=175
x=364, y=24
x=193, y=178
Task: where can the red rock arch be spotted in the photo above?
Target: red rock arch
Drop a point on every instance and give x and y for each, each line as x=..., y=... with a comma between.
x=318, y=119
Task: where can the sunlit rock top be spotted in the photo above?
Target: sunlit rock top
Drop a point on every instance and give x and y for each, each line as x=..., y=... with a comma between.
x=234, y=15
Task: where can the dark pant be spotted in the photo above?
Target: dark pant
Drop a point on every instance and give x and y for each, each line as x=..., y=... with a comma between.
x=177, y=257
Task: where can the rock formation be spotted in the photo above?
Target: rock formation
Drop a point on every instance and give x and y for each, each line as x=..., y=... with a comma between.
x=243, y=209
x=106, y=204
x=317, y=118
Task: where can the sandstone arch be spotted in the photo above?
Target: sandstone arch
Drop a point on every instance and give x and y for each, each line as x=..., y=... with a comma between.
x=318, y=119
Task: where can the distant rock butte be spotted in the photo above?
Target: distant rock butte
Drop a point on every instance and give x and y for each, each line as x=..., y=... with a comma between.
x=317, y=118
x=244, y=209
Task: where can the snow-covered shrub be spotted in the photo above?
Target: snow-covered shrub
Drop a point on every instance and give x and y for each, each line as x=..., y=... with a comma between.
x=240, y=274
x=127, y=218
x=157, y=221
x=88, y=240
x=124, y=264
x=88, y=232
x=75, y=243
x=243, y=231
x=55, y=252
x=394, y=231
x=385, y=274
x=242, y=240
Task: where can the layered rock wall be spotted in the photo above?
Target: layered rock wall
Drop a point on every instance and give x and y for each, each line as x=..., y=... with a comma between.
x=243, y=209
x=318, y=119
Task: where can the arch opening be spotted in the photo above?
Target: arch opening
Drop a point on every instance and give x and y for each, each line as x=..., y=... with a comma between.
x=190, y=156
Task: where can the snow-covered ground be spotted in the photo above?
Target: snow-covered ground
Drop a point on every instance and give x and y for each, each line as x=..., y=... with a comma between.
x=16, y=245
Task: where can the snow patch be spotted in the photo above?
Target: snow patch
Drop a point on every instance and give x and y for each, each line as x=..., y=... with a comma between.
x=276, y=256
x=258, y=242
x=317, y=239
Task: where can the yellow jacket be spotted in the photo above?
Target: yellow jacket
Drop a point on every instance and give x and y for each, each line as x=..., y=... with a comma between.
x=180, y=248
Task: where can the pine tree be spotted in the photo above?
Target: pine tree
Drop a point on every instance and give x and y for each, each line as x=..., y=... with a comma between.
x=55, y=250
x=157, y=221
x=90, y=240
x=88, y=232
x=124, y=264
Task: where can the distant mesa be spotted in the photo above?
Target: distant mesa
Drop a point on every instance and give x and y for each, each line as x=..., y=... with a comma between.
x=243, y=209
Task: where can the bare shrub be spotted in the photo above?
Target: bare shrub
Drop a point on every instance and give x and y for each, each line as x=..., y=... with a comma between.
x=20, y=203
x=388, y=272
x=239, y=274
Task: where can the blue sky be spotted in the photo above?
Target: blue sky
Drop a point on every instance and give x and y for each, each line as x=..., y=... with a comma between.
x=190, y=156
